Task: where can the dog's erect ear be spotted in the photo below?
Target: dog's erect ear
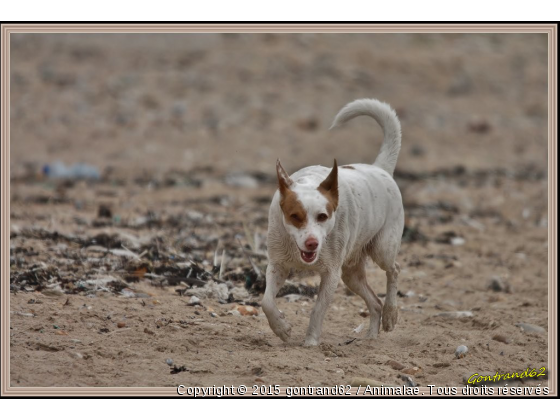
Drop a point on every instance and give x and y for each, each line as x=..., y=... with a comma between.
x=284, y=180
x=329, y=186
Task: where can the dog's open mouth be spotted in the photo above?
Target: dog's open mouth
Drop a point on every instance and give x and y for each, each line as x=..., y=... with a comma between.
x=308, y=257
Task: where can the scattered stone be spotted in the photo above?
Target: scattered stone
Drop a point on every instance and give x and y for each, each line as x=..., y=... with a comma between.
x=55, y=291
x=394, y=364
x=450, y=237
x=46, y=347
x=24, y=314
x=247, y=310
x=239, y=294
x=457, y=241
x=293, y=297
x=497, y=284
x=148, y=331
x=257, y=371
x=194, y=301
x=461, y=352
x=412, y=370
x=364, y=313
x=501, y=338
x=530, y=328
x=211, y=289
x=75, y=355
x=125, y=253
x=169, y=361
x=455, y=314
x=408, y=381
x=61, y=332
x=441, y=365
x=121, y=324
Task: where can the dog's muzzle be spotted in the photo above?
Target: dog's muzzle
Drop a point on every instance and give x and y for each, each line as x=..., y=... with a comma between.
x=308, y=256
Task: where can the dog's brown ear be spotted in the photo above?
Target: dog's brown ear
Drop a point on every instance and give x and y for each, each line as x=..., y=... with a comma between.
x=329, y=187
x=284, y=180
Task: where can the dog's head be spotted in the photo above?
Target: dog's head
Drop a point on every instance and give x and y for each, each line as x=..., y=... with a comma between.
x=309, y=211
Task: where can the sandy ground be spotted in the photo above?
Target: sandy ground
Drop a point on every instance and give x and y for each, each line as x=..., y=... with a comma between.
x=185, y=131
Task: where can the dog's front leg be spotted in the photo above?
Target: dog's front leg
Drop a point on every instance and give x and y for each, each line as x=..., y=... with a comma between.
x=275, y=278
x=329, y=282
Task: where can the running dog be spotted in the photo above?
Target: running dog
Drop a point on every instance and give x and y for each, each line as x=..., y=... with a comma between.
x=330, y=220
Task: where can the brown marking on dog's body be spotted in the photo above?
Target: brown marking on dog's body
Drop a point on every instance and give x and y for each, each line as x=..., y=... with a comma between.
x=348, y=167
x=329, y=188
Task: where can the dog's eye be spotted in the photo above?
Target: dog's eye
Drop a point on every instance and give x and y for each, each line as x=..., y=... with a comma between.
x=322, y=217
x=295, y=217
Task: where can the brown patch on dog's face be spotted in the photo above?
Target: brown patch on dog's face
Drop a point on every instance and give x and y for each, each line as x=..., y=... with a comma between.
x=348, y=167
x=293, y=210
x=329, y=188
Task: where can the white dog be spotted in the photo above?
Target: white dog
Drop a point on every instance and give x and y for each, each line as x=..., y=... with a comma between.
x=331, y=220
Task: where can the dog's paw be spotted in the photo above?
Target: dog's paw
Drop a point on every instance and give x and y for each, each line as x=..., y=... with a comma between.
x=311, y=342
x=389, y=317
x=282, y=329
x=372, y=334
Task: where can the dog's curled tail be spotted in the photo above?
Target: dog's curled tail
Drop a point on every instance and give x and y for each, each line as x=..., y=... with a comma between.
x=387, y=118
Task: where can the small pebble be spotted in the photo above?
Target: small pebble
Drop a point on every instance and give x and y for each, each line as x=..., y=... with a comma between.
x=530, y=328
x=121, y=324
x=394, y=364
x=457, y=241
x=408, y=381
x=441, y=364
x=169, y=361
x=497, y=284
x=247, y=310
x=412, y=370
x=461, y=351
x=501, y=338
x=456, y=314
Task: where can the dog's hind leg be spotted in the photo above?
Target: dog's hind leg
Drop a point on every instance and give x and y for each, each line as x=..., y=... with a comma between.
x=355, y=279
x=275, y=278
x=390, y=310
x=384, y=252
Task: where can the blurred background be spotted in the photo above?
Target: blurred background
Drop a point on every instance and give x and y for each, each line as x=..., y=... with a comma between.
x=236, y=102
